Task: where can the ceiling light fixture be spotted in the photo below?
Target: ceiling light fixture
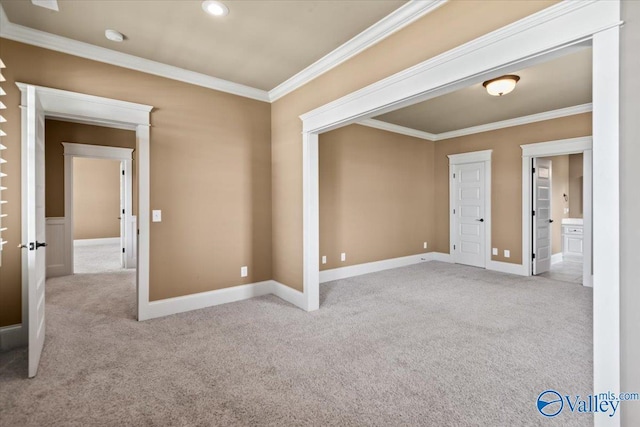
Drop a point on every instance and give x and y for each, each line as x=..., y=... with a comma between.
x=501, y=85
x=215, y=8
x=114, y=35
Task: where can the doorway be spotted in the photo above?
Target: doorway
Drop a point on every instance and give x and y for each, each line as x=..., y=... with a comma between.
x=39, y=103
x=99, y=205
x=557, y=221
x=558, y=227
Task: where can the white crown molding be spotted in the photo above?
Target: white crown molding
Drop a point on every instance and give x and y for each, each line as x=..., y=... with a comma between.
x=393, y=22
x=50, y=41
x=518, y=121
x=540, y=117
x=382, y=29
x=390, y=127
x=316, y=120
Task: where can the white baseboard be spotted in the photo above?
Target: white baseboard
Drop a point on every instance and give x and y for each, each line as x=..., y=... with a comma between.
x=288, y=294
x=200, y=300
x=439, y=256
x=91, y=242
x=506, y=267
x=12, y=337
x=372, y=267
x=556, y=258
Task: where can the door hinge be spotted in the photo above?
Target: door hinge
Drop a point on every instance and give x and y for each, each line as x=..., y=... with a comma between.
x=454, y=247
x=122, y=250
x=123, y=211
x=454, y=211
x=534, y=256
x=534, y=213
x=533, y=170
x=122, y=172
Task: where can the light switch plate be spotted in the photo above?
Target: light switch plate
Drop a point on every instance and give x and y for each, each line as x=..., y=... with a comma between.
x=156, y=216
x=494, y=251
x=507, y=253
x=244, y=271
x=324, y=259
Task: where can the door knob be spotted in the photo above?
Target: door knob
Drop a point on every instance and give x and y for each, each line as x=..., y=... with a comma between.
x=550, y=221
x=40, y=245
x=22, y=246
x=481, y=219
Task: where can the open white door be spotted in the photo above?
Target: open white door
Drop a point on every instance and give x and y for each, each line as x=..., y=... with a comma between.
x=123, y=217
x=542, y=173
x=468, y=182
x=33, y=204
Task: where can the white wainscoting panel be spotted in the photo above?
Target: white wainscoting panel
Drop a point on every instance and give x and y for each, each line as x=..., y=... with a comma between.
x=12, y=337
x=58, y=262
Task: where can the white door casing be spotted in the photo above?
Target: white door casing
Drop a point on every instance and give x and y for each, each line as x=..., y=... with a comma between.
x=549, y=149
x=542, y=191
x=470, y=208
x=125, y=155
x=34, y=231
x=83, y=108
x=468, y=212
x=122, y=216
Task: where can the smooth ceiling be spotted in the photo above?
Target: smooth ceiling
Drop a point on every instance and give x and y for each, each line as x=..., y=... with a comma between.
x=259, y=44
x=559, y=83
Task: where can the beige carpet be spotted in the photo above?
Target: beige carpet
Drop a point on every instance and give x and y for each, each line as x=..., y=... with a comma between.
x=431, y=344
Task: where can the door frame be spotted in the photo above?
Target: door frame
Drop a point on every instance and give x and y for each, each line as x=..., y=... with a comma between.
x=559, y=148
x=508, y=49
x=87, y=151
x=96, y=110
x=483, y=156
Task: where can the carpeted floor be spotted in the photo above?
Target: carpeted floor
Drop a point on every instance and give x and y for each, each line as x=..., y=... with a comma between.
x=432, y=344
x=101, y=258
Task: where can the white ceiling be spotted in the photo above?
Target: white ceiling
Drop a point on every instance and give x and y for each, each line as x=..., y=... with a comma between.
x=558, y=83
x=261, y=43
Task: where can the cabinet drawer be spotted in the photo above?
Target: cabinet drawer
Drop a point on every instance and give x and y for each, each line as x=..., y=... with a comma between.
x=572, y=230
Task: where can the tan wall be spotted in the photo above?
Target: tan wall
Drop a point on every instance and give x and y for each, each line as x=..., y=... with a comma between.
x=376, y=195
x=449, y=26
x=575, y=185
x=560, y=186
x=96, y=198
x=56, y=132
x=210, y=173
x=506, y=177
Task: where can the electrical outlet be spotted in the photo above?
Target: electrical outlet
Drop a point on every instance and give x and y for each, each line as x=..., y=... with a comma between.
x=424, y=245
x=507, y=253
x=343, y=256
x=324, y=259
x=494, y=251
x=244, y=271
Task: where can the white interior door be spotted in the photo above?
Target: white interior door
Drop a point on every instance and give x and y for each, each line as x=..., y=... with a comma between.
x=541, y=215
x=33, y=189
x=123, y=217
x=468, y=182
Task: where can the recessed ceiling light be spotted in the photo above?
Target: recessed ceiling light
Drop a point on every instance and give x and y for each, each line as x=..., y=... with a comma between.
x=215, y=8
x=501, y=85
x=114, y=35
